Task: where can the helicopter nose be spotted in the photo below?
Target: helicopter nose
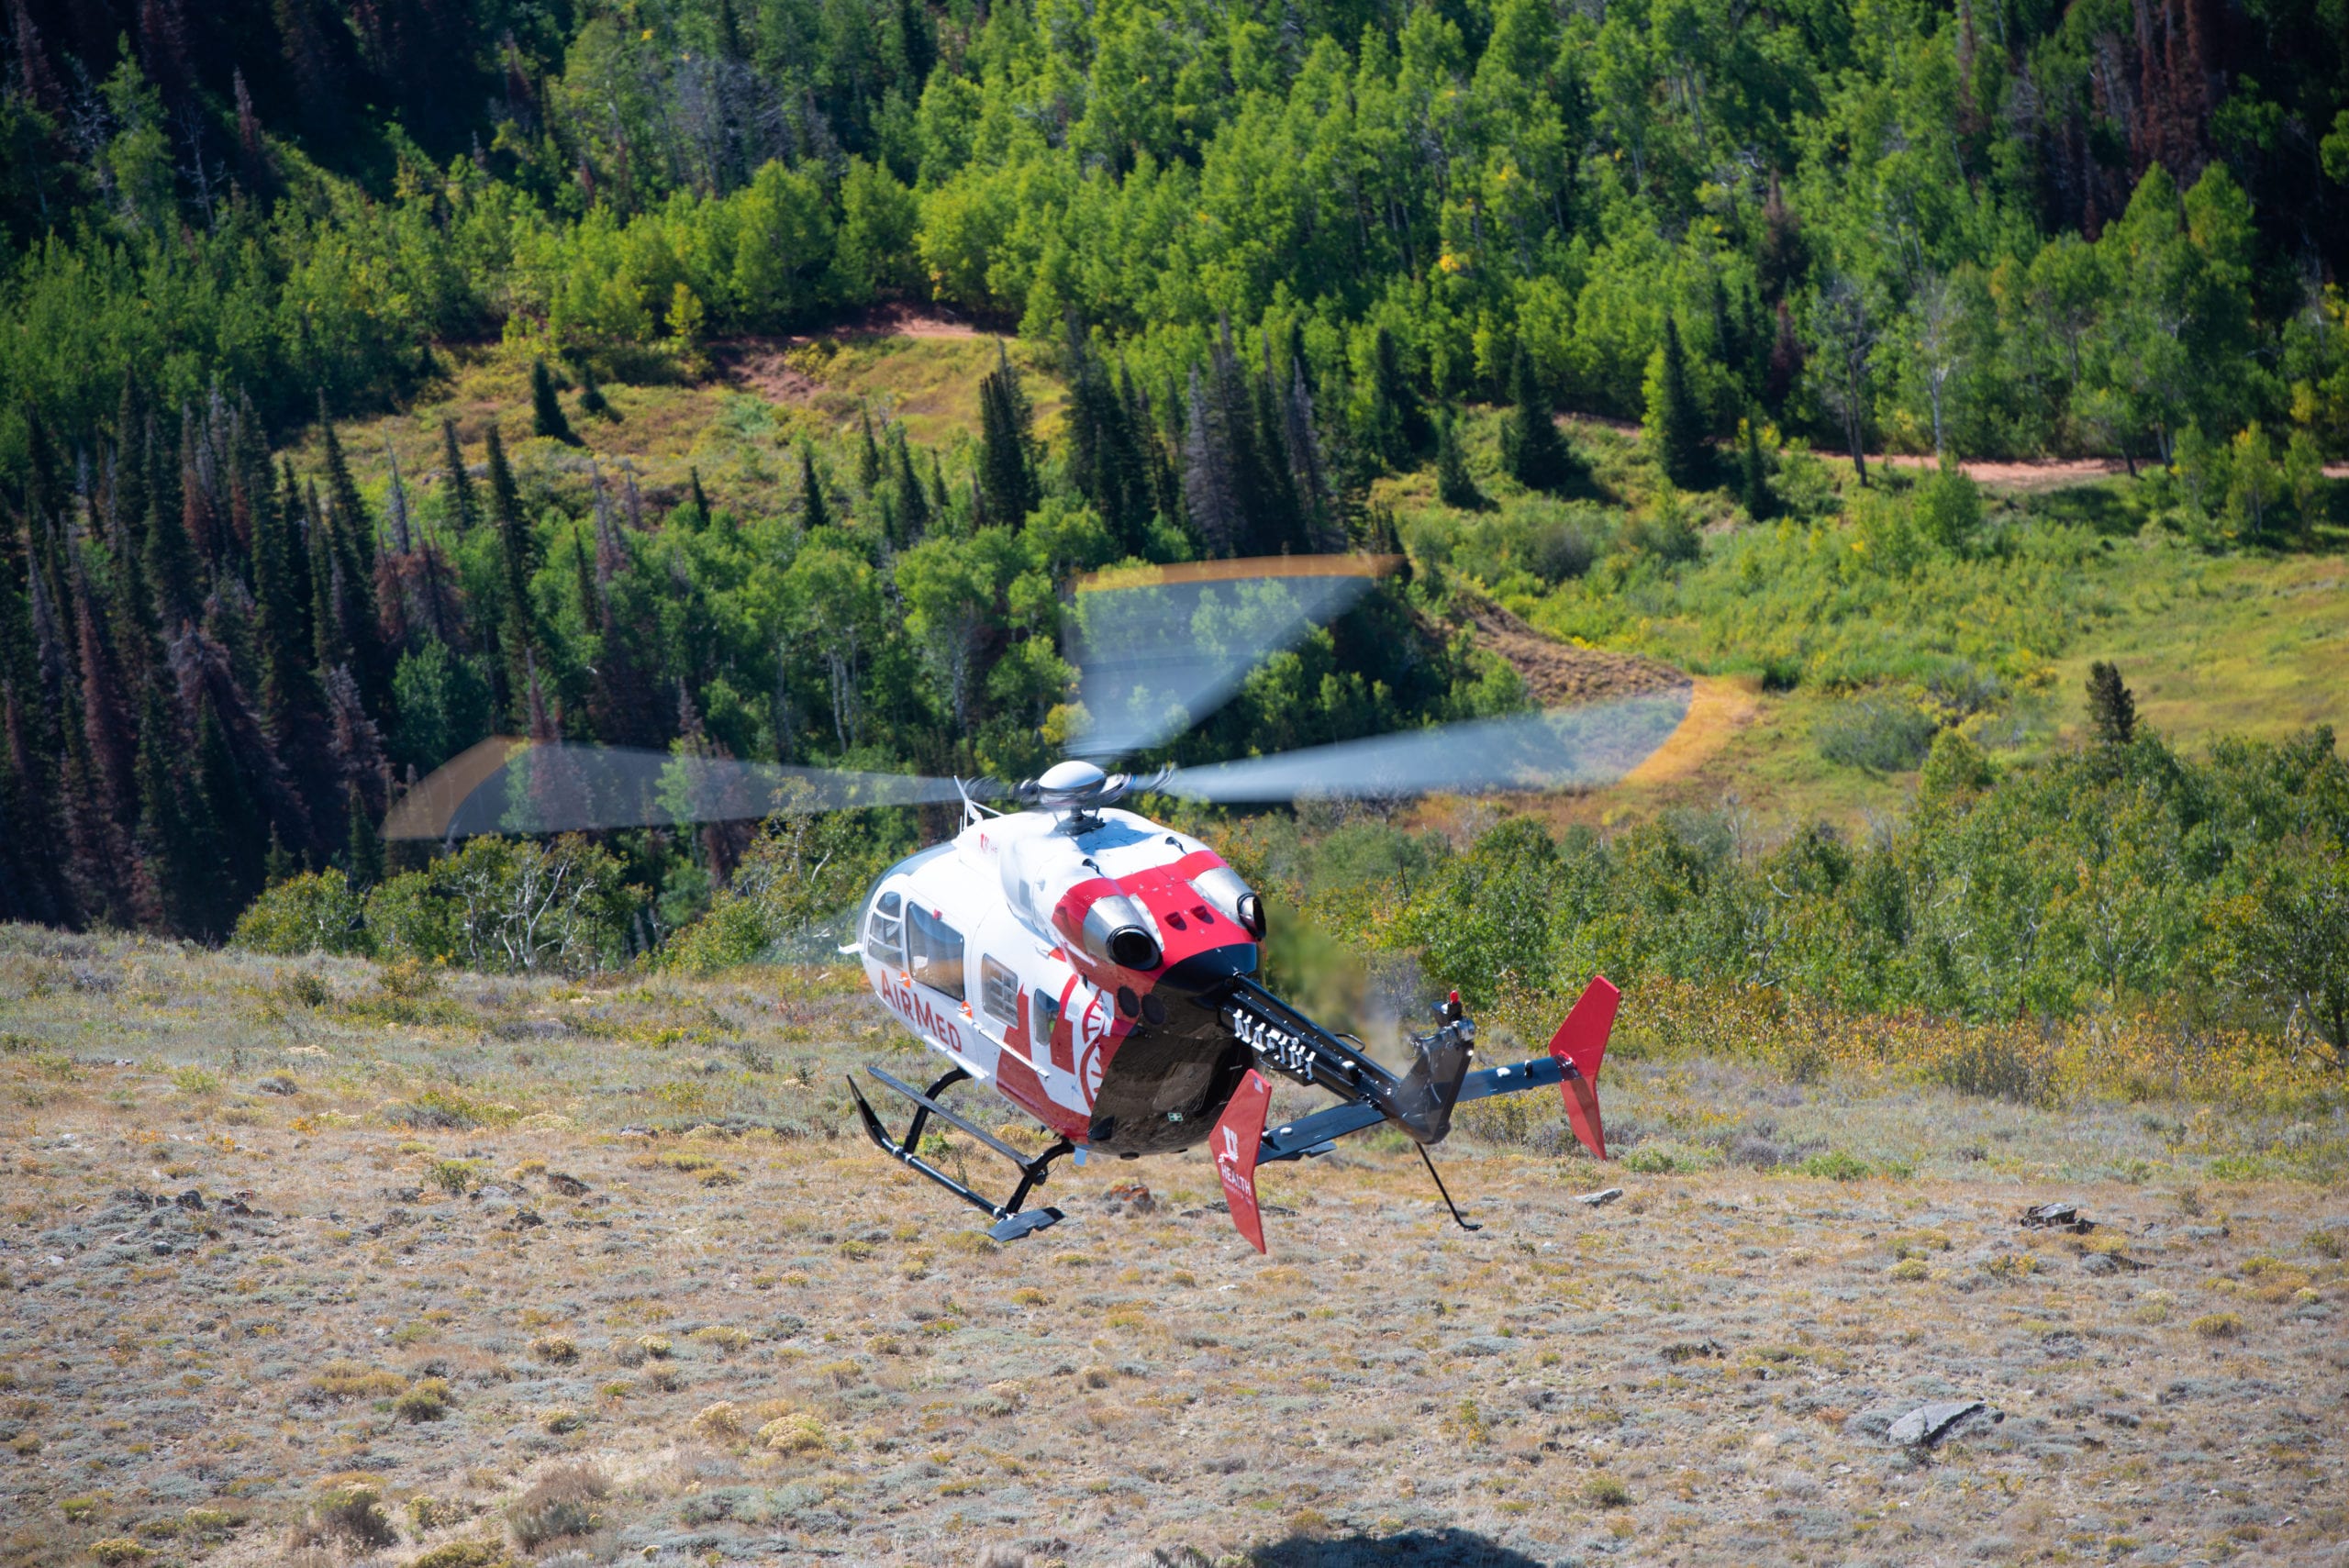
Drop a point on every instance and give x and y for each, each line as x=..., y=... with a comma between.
x=1207, y=969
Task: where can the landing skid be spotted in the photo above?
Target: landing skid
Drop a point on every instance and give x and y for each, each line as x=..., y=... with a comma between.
x=1010, y=1223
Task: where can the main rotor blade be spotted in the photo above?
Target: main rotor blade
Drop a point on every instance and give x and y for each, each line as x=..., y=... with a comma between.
x=1561, y=749
x=508, y=785
x=1161, y=648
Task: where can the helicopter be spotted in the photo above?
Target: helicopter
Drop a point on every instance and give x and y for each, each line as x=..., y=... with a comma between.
x=1096, y=969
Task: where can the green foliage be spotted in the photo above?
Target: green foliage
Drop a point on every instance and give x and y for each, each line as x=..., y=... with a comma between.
x=803, y=872
x=1881, y=734
x=503, y=905
x=315, y=912
x=2090, y=880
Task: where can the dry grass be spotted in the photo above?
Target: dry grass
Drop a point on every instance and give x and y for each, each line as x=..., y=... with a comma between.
x=826, y=1356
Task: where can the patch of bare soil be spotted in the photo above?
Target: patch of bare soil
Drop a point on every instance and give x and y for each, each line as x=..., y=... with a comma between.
x=1563, y=675
x=761, y=364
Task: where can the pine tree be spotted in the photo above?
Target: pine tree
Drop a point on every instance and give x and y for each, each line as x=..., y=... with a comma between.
x=1532, y=450
x=1006, y=471
x=868, y=453
x=362, y=859
x=179, y=841
x=329, y=638
x=279, y=865
x=546, y=409
x=1399, y=431
x=170, y=565
x=1206, y=477
x=517, y=622
x=1455, y=485
x=814, y=515
x=464, y=511
x=913, y=502
x=1753, y=485
x=591, y=396
x=2112, y=709
x=1675, y=424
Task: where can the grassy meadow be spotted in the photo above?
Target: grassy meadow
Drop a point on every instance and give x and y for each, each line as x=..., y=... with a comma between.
x=503, y=1269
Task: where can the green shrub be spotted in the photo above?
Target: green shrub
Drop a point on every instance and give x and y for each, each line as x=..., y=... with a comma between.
x=1835, y=1166
x=316, y=912
x=1881, y=734
x=425, y=1400
x=504, y=905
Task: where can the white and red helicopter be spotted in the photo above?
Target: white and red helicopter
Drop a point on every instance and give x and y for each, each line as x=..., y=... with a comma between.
x=1096, y=968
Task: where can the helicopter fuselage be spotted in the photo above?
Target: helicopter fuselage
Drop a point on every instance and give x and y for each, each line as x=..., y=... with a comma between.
x=1076, y=961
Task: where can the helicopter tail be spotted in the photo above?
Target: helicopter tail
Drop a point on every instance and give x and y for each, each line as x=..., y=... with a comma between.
x=1578, y=1047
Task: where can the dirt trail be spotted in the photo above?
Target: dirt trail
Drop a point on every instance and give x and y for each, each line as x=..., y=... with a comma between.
x=1563, y=675
x=2029, y=474
x=1718, y=709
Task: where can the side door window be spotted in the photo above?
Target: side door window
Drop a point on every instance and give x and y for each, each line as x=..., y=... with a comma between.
x=999, y=991
x=933, y=951
x=884, y=933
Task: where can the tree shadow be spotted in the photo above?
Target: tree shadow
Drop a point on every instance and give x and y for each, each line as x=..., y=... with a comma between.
x=1452, y=1548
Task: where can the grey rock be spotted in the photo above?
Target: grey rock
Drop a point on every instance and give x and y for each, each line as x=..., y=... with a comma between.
x=1599, y=1199
x=2100, y=1264
x=1928, y=1424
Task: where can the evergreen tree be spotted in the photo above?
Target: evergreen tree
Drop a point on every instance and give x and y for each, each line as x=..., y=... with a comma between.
x=1754, y=476
x=464, y=511
x=868, y=453
x=591, y=396
x=913, y=502
x=171, y=568
x=546, y=408
x=1675, y=424
x=1007, y=475
x=814, y=515
x=1532, y=451
x=2112, y=709
x=517, y=630
x=1207, y=474
x=363, y=859
x=178, y=842
x=329, y=638
x=1455, y=485
x=1400, y=432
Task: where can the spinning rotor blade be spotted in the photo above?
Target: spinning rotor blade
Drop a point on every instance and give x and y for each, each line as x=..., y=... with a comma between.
x=1161, y=648
x=507, y=785
x=1561, y=748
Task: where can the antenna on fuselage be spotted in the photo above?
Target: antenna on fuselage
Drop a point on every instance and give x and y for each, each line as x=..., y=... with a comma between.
x=972, y=809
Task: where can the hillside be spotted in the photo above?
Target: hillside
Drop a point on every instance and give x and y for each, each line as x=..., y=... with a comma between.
x=324, y=1262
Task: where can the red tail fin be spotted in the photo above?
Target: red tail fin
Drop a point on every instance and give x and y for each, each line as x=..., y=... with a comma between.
x=1580, y=1045
x=1238, y=1133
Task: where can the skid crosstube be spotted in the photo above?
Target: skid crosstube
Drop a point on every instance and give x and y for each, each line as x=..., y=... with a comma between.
x=1010, y=1223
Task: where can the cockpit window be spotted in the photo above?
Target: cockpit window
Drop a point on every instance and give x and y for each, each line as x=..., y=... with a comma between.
x=934, y=952
x=885, y=940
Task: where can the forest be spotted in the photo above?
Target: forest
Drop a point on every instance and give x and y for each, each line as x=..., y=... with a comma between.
x=1273, y=259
